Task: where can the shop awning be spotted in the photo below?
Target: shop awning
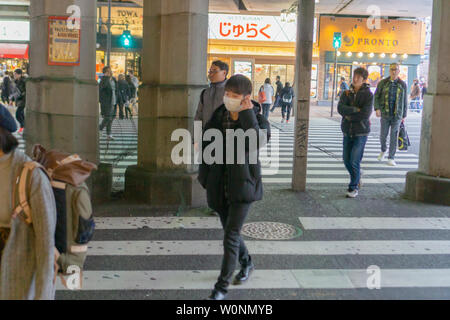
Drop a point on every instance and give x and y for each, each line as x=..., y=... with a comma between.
x=14, y=50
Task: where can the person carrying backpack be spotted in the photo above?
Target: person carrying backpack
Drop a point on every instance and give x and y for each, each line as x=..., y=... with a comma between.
x=287, y=96
x=27, y=260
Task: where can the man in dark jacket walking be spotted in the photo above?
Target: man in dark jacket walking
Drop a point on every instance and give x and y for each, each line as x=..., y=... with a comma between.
x=287, y=97
x=19, y=96
x=391, y=104
x=123, y=95
x=355, y=106
x=232, y=187
x=108, y=99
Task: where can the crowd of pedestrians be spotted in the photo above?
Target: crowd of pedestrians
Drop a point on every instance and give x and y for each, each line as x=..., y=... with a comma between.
x=117, y=95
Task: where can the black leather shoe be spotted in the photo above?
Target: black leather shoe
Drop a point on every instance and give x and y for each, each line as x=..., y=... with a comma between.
x=244, y=274
x=217, y=295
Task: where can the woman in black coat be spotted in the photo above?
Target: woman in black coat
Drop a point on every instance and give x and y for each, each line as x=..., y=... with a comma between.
x=232, y=187
x=123, y=94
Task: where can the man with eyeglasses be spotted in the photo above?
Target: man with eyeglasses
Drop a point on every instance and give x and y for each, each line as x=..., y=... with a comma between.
x=391, y=105
x=212, y=97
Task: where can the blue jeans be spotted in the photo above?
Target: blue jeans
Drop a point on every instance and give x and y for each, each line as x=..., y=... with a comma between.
x=353, y=154
x=266, y=107
x=276, y=104
x=394, y=126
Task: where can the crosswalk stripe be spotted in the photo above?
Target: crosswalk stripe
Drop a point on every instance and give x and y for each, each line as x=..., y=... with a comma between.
x=410, y=223
x=336, y=172
x=335, y=180
x=213, y=247
x=264, y=279
x=123, y=223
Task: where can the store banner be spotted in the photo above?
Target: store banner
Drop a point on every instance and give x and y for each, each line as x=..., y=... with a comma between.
x=394, y=36
x=120, y=18
x=14, y=30
x=253, y=28
x=63, y=43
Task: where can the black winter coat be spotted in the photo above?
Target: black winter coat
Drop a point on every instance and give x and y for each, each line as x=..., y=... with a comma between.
x=244, y=180
x=105, y=95
x=123, y=91
x=355, y=109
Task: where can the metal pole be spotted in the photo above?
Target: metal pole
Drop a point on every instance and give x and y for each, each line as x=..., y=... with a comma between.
x=334, y=82
x=108, y=36
x=305, y=30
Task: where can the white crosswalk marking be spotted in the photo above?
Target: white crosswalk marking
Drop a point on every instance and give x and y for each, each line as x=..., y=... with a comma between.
x=264, y=279
x=314, y=223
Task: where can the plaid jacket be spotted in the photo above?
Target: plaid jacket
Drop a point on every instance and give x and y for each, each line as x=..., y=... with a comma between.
x=382, y=99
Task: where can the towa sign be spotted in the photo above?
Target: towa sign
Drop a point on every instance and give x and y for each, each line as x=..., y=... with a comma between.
x=395, y=36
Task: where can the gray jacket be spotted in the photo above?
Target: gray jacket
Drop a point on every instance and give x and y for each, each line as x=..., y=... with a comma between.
x=210, y=100
x=26, y=270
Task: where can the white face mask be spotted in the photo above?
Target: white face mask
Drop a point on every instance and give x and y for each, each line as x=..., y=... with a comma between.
x=233, y=105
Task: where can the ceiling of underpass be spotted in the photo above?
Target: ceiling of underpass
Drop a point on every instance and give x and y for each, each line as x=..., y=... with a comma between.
x=397, y=8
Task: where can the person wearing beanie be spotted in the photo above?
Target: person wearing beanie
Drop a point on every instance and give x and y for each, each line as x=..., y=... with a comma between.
x=26, y=250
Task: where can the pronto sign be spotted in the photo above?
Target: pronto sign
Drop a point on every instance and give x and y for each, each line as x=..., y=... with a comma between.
x=395, y=36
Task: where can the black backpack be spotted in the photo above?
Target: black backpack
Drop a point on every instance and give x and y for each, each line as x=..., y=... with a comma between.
x=287, y=97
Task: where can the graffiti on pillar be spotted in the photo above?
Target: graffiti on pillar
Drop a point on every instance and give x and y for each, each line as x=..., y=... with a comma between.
x=301, y=138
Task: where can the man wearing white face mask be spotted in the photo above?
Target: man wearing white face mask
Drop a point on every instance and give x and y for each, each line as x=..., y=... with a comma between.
x=231, y=188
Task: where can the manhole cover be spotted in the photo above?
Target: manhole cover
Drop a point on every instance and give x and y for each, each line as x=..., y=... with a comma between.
x=270, y=231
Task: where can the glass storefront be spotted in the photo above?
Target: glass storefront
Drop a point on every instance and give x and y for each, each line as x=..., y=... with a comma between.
x=264, y=71
x=121, y=62
x=377, y=72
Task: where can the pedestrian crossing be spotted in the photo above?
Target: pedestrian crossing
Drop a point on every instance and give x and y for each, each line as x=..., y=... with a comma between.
x=324, y=165
x=186, y=262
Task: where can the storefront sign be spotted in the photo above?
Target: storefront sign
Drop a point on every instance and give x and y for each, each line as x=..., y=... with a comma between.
x=122, y=16
x=14, y=30
x=63, y=43
x=253, y=28
x=395, y=36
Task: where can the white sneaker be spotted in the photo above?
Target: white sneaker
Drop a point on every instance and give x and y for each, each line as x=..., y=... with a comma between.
x=110, y=137
x=391, y=163
x=282, y=120
x=352, y=194
x=381, y=156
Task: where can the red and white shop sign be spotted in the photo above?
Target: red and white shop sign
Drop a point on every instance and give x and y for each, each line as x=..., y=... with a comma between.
x=256, y=28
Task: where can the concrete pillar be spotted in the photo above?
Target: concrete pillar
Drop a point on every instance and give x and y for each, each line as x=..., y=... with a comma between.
x=431, y=183
x=62, y=101
x=174, y=64
x=305, y=31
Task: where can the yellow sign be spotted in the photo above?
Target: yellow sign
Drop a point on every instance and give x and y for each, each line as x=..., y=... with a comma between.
x=394, y=36
x=120, y=17
x=63, y=43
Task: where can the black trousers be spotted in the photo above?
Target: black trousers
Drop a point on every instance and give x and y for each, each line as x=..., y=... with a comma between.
x=232, y=217
x=20, y=116
x=107, y=122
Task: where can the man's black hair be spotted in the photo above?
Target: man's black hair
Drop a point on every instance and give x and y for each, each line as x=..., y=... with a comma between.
x=278, y=77
x=343, y=78
x=239, y=84
x=8, y=142
x=362, y=72
x=18, y=71
x=267, y=81
x=105, y=69
x=222, y=66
